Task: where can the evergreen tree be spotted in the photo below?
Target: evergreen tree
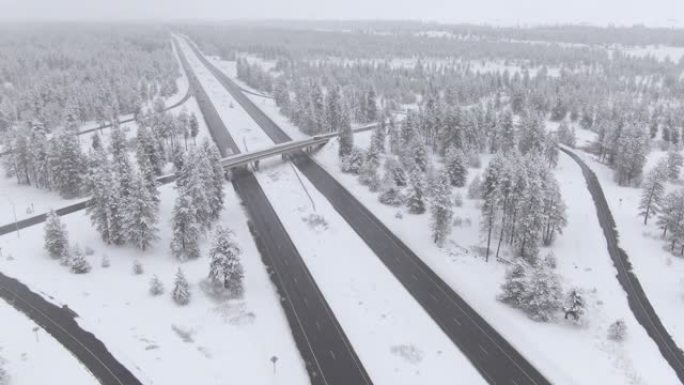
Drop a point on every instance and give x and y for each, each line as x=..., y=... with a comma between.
x=575, y=305
x=441, y=209
x=225, y=270
x=181, y=289
x=77, y=262
x=653, y=191
x=213, y=179
x=454, y=162
x=371, y=106
x=140, y=220
x=346, y=135
x=186, y=229
x=56, y=242
x=674, y=164
x=156, y=286
x=415, y=196
x=194, y=126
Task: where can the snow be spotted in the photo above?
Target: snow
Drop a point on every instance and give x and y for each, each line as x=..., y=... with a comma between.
x=32, y=356
x=659, y=52
x=378, y=315
x=583, y=261
x=231, y=341
x=659, y=271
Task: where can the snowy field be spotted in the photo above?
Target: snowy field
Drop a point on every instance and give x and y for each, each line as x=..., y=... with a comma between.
x=660, y=271
x=33, y=357
x=215, y=341
x=395, y=339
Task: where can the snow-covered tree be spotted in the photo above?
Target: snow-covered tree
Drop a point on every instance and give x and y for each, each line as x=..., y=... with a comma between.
x=415, y=200
x=441, y=208
x=186, y=229
x=225, y=269
x=454, y=162
x=156, y=286
x=181, y=289
x=141, y=216
x=346, y=135
x=653, y=191
x=574, y=305
x=78, y=264
x=674, y=164
x=56, y=237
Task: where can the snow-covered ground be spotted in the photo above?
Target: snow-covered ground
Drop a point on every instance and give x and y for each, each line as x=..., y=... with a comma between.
x=395, y=339
x=660, y=272
x=208, y=342
x=659, y=52
x=33, y=357
x=583, y=262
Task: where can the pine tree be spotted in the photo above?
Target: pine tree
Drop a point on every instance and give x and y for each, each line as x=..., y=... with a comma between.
x=156, y=286
x=66, y=163
x=441, y=208
x=371, y=106
x=225, y=268
x=77, y=262
x=653, y=191
x=490, y=194
x=415, y=196
x=194, y=126
x=575, y=305
x=553, y=211
x=334, y=111
x=617, y=331
x=346, y=135
x=213, y=176
x=674, y=164
x=544, y=293
x=140, y=217
x=56, y=241
x=454, y=162
x=181, y=289
x=186, y=229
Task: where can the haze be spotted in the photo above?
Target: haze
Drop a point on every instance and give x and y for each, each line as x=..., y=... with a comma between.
x=663, y=13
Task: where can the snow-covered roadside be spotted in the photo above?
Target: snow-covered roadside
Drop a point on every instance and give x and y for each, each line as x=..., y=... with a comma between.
x=659, y=271
x=582, y=261
x=209, y=342
x=395, y=339
x=32, y=356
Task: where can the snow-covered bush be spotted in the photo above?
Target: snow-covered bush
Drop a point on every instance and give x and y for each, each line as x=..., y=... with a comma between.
x=89, y=251
x=353, y=162
x=617, y=331
x=4, y=376
x=574, y=305
x=138, y=267
x=392, y=196
x=316, y=221
x=458, y=200
x=77, y=262
x=534, y=289
x=105, y=262
x=475, y=188
x=156, y=286
x=181, y=289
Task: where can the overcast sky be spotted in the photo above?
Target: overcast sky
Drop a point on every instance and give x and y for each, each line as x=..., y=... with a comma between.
x=526, y=12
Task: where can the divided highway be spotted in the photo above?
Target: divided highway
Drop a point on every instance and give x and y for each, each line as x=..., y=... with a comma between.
x=495, y=358
x=638, y=302
x=330, y=358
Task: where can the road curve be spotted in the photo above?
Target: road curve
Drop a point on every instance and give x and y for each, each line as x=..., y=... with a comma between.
x=60, y=323
x=638, y=301
x=496, y=359
x=327, y=352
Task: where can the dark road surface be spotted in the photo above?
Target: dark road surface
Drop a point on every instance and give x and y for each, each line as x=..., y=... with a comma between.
x=497, y=361
x=329, y=357
x=638, y=302
x=59, y=322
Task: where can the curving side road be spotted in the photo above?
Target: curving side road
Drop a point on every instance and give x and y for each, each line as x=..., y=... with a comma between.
x=326, y=350
x=494, y=357
x=638, y=302
x=60, y=323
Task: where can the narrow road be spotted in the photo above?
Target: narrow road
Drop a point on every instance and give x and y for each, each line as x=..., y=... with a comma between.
x=60, y=323
x=329, y=356
x=495, y=358
x=638, y=301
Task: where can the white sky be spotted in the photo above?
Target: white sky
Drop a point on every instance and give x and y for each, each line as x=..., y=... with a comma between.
x=601, y=12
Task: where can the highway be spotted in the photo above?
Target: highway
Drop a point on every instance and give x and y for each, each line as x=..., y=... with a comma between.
x=60, y=323
x=330, y=358
x=495, y=358
x=636, y=297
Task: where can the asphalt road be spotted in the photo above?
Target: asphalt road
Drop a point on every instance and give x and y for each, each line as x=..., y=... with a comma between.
x=495, y=358
x=60, y=323
x=638, y=301
x=330, y=358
